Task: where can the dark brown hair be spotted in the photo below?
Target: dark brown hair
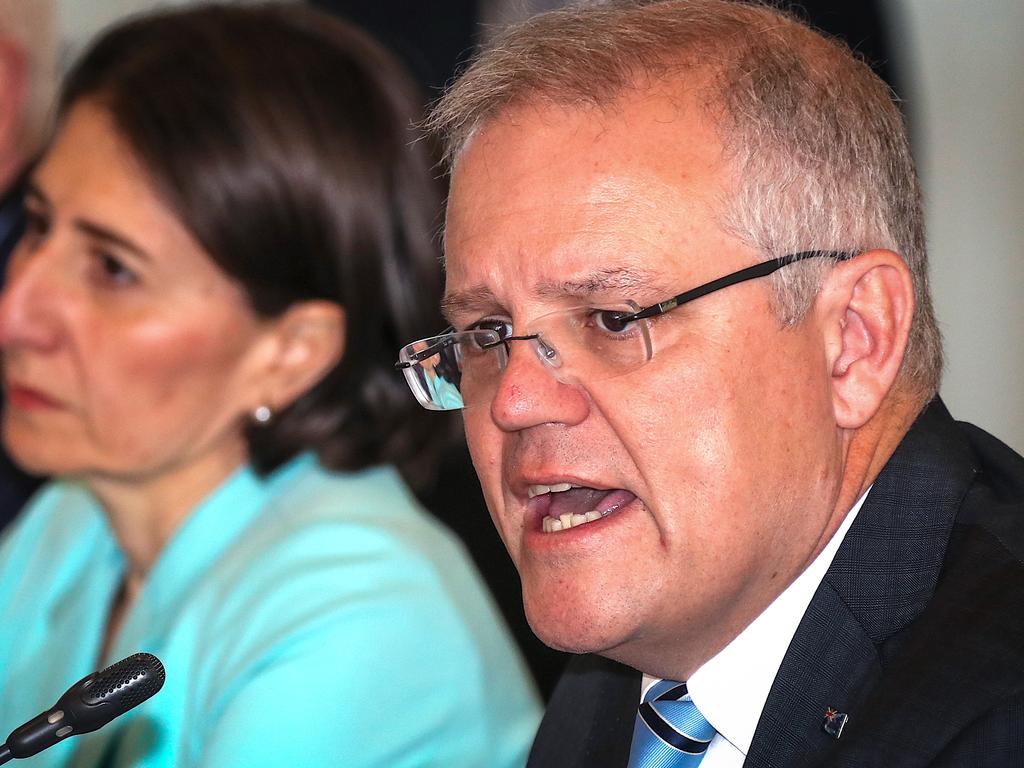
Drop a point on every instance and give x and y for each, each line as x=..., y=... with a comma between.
x=284, y=141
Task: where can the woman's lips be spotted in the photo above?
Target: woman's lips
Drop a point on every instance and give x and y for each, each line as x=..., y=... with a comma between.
x=28, y=399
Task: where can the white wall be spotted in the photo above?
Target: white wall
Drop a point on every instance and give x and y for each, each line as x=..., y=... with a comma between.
x=966, y=60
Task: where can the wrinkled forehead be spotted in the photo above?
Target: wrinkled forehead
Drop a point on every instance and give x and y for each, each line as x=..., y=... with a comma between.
x=545, y=196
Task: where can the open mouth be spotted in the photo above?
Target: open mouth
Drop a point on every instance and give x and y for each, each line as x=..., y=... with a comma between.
x=564, y=505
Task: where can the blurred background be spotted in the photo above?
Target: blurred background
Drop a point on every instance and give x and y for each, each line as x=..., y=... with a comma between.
x=956, y=65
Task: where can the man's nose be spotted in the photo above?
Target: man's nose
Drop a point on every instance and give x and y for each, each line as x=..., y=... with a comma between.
x=534, y=388
x=30, y=300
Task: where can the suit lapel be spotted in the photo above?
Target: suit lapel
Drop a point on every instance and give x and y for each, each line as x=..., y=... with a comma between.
x=958, y=661
x=881, y=579
x=826, y=664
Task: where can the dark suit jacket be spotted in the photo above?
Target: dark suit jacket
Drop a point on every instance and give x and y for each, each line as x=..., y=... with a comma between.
x=916, y=632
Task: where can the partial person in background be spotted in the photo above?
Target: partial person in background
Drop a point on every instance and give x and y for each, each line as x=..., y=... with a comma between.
x=27, y=81
x=27, y=77
x=227, y=235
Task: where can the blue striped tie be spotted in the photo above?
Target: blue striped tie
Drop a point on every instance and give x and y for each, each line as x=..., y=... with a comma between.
x=670, y=732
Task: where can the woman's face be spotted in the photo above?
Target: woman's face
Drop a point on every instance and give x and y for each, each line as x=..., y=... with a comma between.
x=127, y=353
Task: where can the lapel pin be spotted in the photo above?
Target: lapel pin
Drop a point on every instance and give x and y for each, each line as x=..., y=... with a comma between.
x=834, y=722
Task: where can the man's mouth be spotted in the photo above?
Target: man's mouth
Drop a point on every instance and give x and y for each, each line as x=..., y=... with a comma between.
x=565, y=505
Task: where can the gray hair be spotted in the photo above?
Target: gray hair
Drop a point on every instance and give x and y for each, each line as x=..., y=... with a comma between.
x=818, y=145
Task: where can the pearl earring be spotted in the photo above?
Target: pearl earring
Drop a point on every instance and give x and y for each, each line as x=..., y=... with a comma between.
x=261, y=414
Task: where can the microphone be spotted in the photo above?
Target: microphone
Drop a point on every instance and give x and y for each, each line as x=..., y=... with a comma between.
x=89, y=704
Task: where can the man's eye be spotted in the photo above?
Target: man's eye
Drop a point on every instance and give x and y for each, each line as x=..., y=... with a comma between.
x=501, y=327
x=610, y=320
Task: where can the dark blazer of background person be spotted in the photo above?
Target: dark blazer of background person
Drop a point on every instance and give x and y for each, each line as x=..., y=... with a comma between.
x=942, y=630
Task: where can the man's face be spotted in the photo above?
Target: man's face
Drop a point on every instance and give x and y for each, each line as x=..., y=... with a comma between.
x=713, y=466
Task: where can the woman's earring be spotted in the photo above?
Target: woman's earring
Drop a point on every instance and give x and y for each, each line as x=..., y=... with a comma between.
x=262, y=414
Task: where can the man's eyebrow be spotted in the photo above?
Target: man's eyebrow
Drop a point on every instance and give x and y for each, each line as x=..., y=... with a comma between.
x=624, y=280
x=612, y=280
x=467, y=302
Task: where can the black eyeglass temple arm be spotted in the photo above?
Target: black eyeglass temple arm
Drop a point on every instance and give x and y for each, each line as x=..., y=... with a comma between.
x=750, y=273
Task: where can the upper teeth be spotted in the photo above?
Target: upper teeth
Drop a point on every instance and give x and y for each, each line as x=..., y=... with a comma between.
x=538, y=490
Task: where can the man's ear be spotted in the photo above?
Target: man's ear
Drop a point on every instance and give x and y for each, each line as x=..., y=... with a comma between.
x=304, y=344
x=868, y=304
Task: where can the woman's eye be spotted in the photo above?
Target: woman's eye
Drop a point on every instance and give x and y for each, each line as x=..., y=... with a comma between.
x=113, y=270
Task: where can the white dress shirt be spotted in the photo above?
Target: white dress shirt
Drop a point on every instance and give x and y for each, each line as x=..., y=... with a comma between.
x=731, y=688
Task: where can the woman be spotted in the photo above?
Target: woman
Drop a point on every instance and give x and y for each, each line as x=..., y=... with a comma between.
x=228, y=236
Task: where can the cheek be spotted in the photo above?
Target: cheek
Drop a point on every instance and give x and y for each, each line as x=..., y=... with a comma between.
x=485, y=453
x=484, y=441
x=675, y=424
x=160, y=380
x=712, y=433
x=170, y=362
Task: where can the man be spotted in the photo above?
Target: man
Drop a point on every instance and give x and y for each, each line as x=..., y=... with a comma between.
x=693, y=335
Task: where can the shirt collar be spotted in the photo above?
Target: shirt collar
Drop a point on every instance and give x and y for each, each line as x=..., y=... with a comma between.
x=731, y=688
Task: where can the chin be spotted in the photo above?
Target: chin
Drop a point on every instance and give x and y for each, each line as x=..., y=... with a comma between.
x=44, y=454
x=28, y=455
x=39, y=463
x=577, y=626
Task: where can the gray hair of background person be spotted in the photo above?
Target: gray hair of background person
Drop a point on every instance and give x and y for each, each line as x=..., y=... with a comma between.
x=30, y=26
x=818, y=146
x=289, y=152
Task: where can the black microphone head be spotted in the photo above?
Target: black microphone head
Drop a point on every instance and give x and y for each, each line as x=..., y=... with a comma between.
x=89, y=704
x=97, y=699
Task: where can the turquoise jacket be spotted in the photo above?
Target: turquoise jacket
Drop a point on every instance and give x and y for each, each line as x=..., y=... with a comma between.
x=305, y=619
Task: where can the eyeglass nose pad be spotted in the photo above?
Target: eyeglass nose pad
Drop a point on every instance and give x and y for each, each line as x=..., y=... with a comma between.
x=547, y=353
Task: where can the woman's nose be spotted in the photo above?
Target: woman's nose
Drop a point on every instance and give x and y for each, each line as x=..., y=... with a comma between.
x=30, y=300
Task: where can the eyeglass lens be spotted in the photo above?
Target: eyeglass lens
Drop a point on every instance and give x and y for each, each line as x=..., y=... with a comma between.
x=579, y=344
